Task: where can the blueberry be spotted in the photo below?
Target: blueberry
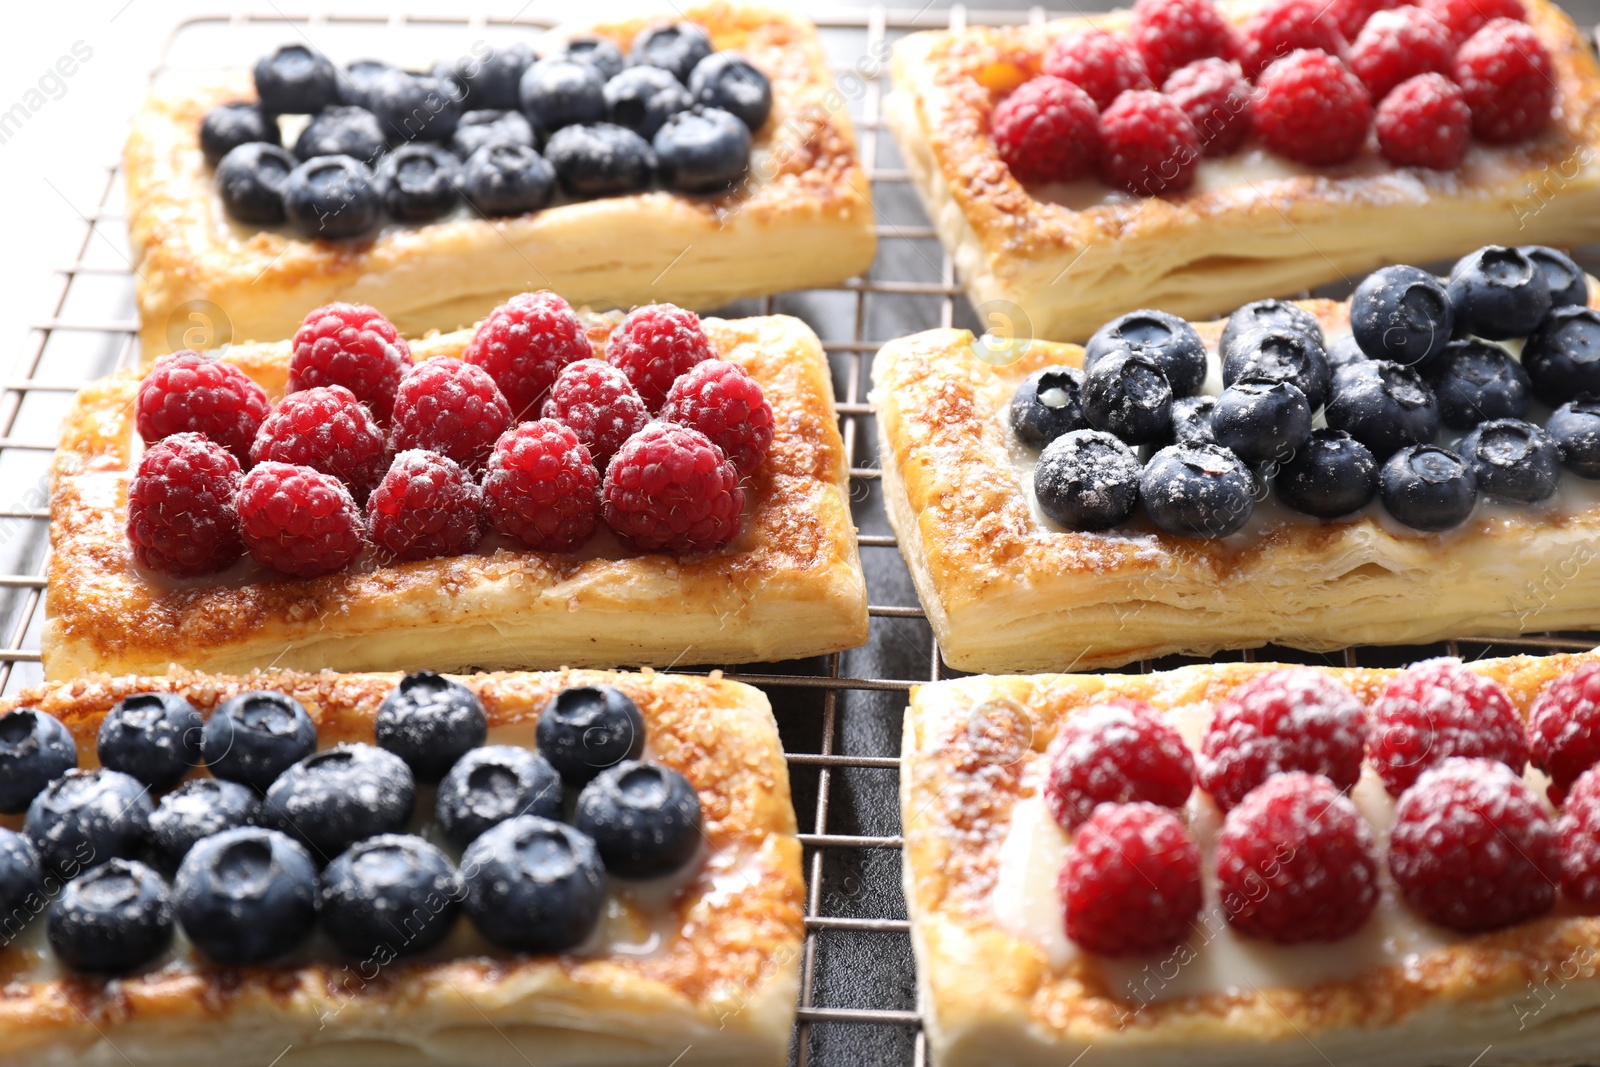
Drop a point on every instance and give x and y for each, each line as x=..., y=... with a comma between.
x=1343, y=351
x=489, y=785
x=1087, y=480
x=560, y=92
x=1575, y=426
x=453, y=78
x=195, y=810
x=87, y=817
x=344, y=130
x=1197, y=491
x=729, y=81
x=1401, y=313
x=114, y=919
x=394, y=895
x=418, y=182
x=1564, y=278
x=153, y=736
x=1331, y=475
x=493, y=81
x=598, y=52
x=1498, y=292
x=644, y=819
x=1168, y=339
x=1261, y=421
x=431, y=722
x=332, y=197
x=1563, y=355
x=1268, y=314
x=1513, y=460
x=586, y=729
x=359, y=79
x=502, y=178
x=1047, y=404
x=705, y=150
x=534, y=885
x=246, y=896
x=21, y=880
x=296, y=80
x=330, y=800
x=228, y=126
x=256, y=736
x=250, y=180
x=644, y=98
x=1127, y=394
x=1428, y=488
x=1191, y=420
x=478, y=128
x=35, y=749
x=1475, y=380
x=1280, y=354
x=1383, y=405
x=601, y=160
x=678, y=47
x=413, y=107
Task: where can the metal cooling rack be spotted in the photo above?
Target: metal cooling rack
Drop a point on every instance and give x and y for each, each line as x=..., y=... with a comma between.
x=839, y=715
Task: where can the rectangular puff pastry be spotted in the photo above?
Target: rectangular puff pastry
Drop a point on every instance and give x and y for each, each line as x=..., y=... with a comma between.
x=718, y=989
x=1253, y=224
x=789, y=586
x=973, y=757
x=803, y=219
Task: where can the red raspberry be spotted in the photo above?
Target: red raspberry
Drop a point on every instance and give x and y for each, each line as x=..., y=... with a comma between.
x=1309, y=108
x=722, y=401
x=329, y=430
x=452, y=408
x=1116, y=752
x=1174, y=33
x=1579, y=831
x=1564, y=728
x=654, y=345
x=1217, y=101
x=1424, y=122
x=1295, y=719
x=1351, y=15
x=1131, y=882
x=186, y=392
x=298, y=520
x=426, y=506
x=1295, y=862
x=1508, y=81
x=1472, y=848
x=181, y=519
x=1284, y=27
x=353, y=346
x=1436, y=710
x=1148, y=145
x=1047, y=131
x=1399, y=44
x=1463, y=18
x=541, y=487
x=598, y=403
x=670, y=489
x=524, y=343
x=1101, y=64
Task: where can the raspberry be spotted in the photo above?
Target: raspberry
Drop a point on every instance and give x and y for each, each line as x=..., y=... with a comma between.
x=722, y=401
x=524, y=343
x=1351, y=15
x=1579, y=831
x=1217, y=101
x=1399, y=44
x=1047, y=131
x=1101, y=64
x=1436, y=710
x=1295, y=719
x=1174, y=33
x=1148, y=145
x=181, y=519
x=186, y=392
x=426, y=506
x=1309, y=108
x=1463, y=18
x=541, y=487
x=1472, y=849
x=1295, y=862
x=1564, y=728
x=1508, y=81
x=654, y=345
x=298, y=520
x=1424, y=122
x=670, y=489
x=597, y=402
x=1131, y=882
x=353, y=346
x=452, y=408
x=1114, y=753
x=326, y=429
x=1284, y=27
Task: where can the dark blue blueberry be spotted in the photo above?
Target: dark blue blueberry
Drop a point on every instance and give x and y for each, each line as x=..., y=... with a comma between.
x=393, y=895
x=430, y=722
x=1343, y=351
x=1087, y=480
x=705, y=150
x=228, y=126
x=453, y=78
x=1402, y=314
x=1562, y=276
x=502, y=178
x=330, y=800
x=256, y=736
x=1331, y=475
x=413, y=107
x=1047, y=404
x=678, y=47
x=1197, y=491
x=344, y=130
x=644, y=98
x=1428, y=488
x=1575, y=426
x=84, y=818
x=729, y=81
x=534, y=885
x=114, y=919
x=358, y=80
x=601, y=160
x=1168, y=339
x=561, y=92
x=246, y=896
x=195, y=810
x=155, y=737
x=295, y=80
x=1191, y=420
x=1261, y=421
x=35, y=749
x=1268, y=314
x=1127, y=394
x=478, y=128
x=250, y=180
x=644, y=819
x=1563, y=355
x=1280, y=354
x=332, y=197
x=1513, y=460
x=1383, y=405
x=586, y=729
x=419, y=182
x=1498, y=292
x=493, y=80
x=21, y=880
x=489, y=785
x=598, y=52
x=1475, y=380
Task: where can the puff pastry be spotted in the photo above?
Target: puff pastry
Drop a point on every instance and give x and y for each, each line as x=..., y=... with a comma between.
x=804, y=219
x=789, y=586
x=971, y=761
x=1252, y=226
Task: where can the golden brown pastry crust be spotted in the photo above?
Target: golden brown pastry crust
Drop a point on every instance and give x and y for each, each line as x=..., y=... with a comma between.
x=804, y=219
x=789, y=586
